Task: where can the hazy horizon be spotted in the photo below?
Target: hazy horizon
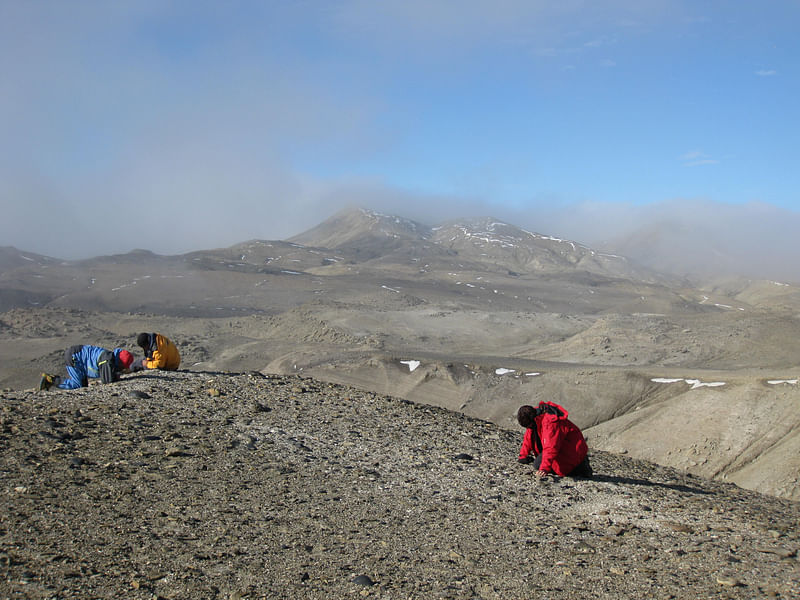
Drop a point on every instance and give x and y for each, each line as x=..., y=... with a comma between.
x=193, y=125
x=660, y=237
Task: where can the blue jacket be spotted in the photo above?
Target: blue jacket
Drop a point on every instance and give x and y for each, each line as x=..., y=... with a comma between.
x=82, y=365
x=86, y=360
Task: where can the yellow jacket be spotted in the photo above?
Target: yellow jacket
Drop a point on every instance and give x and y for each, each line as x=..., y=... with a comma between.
x=162, y=355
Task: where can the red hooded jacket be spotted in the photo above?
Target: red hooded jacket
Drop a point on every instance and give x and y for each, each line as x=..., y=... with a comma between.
x=562, y=445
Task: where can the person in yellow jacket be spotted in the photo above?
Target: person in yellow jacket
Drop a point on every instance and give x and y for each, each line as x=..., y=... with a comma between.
x=159, y=352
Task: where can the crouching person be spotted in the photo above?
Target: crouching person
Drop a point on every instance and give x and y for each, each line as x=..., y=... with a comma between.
x=89, y=362
x=159, y=352
x=552, y=442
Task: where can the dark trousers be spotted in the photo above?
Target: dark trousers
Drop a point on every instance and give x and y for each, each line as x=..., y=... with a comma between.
x=584, y=469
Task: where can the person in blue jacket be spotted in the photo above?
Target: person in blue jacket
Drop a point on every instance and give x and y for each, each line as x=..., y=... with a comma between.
x=88, y=362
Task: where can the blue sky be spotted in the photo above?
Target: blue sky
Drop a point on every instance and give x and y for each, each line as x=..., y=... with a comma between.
x=203, y=124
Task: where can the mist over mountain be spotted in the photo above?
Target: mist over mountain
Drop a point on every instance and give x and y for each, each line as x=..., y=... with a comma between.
x=706, y=240
x=698, y=238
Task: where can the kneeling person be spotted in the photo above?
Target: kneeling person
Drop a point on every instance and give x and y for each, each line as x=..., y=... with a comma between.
x=552, y=442
x=159, y=352
x=89, y=362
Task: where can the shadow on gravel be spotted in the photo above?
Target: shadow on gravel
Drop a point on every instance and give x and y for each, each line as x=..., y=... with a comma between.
x=631, y=481
x=162, y=375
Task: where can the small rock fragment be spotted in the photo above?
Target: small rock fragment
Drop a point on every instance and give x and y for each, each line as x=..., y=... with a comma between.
x=679, y=527
x=363, y=580
x=728, y=581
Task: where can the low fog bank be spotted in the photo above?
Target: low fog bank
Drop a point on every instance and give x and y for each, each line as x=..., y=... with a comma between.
x=697, y=238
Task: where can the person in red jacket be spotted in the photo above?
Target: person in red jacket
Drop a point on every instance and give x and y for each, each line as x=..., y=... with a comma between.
x=552, y=442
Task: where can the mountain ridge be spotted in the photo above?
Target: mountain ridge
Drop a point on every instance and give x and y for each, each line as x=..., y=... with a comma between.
x=373, y=235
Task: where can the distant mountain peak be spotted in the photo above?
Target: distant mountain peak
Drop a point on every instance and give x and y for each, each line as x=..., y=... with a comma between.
x=369, y=235
x=11, y=258
x=494, y=231
x=391, y=223
x=355, y=227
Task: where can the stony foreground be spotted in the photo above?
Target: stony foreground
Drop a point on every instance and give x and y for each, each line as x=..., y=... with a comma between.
x=234, y=486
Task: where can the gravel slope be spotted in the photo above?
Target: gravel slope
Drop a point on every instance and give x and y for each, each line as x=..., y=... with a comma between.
x=215, y=485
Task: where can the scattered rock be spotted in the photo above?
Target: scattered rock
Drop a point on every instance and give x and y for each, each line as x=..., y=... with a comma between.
x=781, y=552
x=679, y=527
x=174, y=497
x=728, y=581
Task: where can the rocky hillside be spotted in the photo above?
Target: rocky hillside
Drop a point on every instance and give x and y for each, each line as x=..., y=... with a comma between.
x=213, y=485
x=365, y=232
x=702, y=379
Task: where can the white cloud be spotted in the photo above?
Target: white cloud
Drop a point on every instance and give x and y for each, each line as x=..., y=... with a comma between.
x=698, y=163
x=696, y=158
x=447, y=28
x=197, y=126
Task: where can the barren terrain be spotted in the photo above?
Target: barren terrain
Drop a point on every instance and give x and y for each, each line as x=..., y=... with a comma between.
x=205, y=485
x=477, y=317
